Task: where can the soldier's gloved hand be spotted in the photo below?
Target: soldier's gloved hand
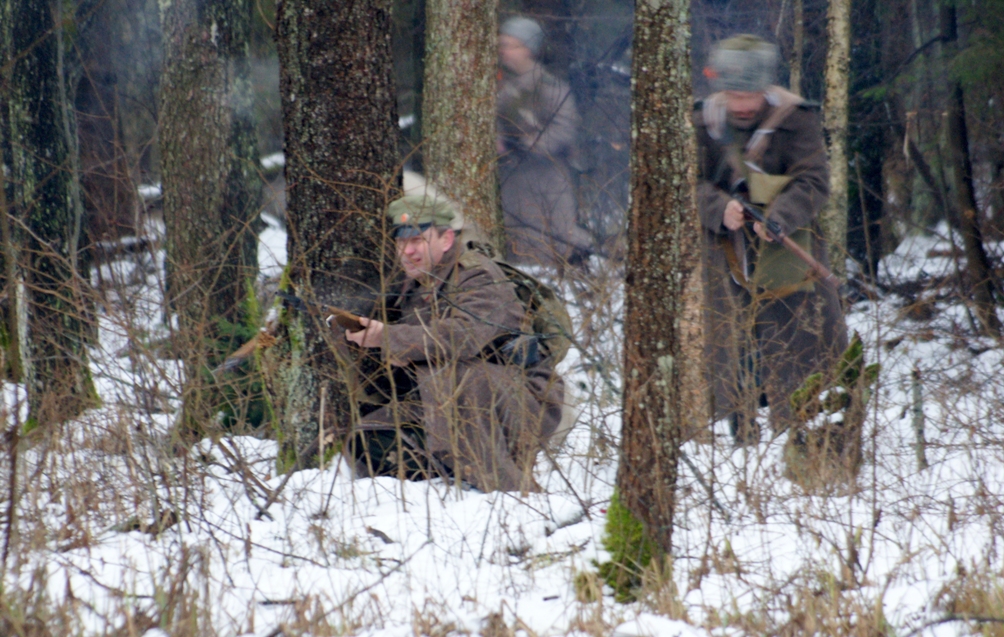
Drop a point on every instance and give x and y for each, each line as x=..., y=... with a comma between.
x=733, y=218
x=372, y=336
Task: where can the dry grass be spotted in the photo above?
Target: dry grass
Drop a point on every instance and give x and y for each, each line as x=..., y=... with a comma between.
x=822, y=557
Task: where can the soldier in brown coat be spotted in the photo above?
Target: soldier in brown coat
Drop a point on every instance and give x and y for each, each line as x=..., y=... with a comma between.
x=537, y=123
x=769, y=323
x=483, y=411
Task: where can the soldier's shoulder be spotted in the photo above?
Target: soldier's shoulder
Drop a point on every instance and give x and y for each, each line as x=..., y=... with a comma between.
x=806, y=115
x=473, y=261
x=472, y=258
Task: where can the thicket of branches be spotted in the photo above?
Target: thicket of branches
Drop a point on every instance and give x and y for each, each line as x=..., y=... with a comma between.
x=101, y=312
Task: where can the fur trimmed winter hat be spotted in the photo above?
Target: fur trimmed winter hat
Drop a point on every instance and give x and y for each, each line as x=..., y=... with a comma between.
x=742, y=63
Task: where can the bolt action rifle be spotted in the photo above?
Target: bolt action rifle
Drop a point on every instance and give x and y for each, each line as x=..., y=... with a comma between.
x=266, y=337
x=774, y=231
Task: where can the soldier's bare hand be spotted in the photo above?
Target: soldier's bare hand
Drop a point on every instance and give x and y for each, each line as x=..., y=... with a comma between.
x=761, y=231
x=733, y=219
x=372, y=336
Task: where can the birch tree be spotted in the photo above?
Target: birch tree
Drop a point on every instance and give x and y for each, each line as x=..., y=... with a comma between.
x=797, y=46
x=838, y=54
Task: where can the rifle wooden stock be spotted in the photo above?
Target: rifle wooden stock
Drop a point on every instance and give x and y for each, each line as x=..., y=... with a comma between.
x=266, y=337
x=343, y=318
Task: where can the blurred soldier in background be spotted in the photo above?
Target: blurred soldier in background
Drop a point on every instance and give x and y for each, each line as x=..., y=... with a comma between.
x=769, y=323
x=537, y=124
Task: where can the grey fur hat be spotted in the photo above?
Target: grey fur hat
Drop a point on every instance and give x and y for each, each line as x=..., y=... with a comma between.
x=526, y=31
x=742, y=63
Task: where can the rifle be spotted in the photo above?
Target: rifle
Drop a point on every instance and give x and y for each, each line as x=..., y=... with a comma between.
x=774, y=231
x=343, y=318
x=266, y=337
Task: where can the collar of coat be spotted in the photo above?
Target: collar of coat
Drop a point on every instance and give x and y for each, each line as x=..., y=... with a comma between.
x=714, y=114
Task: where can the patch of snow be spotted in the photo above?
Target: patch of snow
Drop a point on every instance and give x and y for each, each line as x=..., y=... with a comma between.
x=149, y=191
x=275, y=160
x=648, y=625
x=383, y=556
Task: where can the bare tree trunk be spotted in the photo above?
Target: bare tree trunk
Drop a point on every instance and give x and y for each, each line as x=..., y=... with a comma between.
x=49, y=295
x=663, y=382
x=209, y=172
x=10, y=365
x=798, y=47
x=834, y=217
x=340, y=124
x=10, y=357
x=458, y=105
x=977, y=262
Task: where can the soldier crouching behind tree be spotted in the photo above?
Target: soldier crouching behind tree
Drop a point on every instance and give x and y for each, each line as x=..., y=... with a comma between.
x=472, y=396
x=770, y=324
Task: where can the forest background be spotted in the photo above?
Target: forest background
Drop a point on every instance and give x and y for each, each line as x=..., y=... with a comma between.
x=153, y=136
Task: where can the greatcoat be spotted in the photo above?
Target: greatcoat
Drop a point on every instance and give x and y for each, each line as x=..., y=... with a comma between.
x=483, y=420
x=768, y=324
x=537, y=123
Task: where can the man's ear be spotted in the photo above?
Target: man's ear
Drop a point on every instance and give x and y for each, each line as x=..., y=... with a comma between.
x=449, y=238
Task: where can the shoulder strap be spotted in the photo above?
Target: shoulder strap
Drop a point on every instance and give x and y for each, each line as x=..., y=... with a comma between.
x=713, y=115
x=784, y=104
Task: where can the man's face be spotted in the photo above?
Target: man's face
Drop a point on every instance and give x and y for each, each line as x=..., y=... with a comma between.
x=514, y=55
x=744, y=107
x=419, y=254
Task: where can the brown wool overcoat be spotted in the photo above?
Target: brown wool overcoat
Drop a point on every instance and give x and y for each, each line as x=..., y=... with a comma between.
x=537, y=123
x=777, y=336
x=483, y=420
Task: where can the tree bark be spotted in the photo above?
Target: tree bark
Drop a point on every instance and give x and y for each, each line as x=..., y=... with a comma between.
x=209, y=164
x=340, y=124
x=10, y=356
x=663, y=383
x=48, y=294
x=10, y=369
x=798, y=47
x=834, y=217
x=459, y=108
x=977, y=262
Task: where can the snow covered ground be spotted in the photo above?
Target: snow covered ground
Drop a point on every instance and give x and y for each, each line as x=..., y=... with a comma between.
x=114, y=535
